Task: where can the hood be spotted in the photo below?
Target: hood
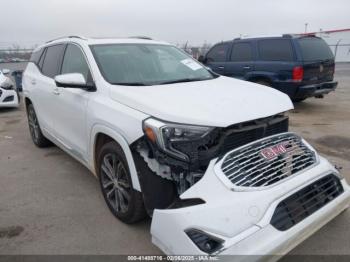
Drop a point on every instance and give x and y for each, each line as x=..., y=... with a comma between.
x=218, y=102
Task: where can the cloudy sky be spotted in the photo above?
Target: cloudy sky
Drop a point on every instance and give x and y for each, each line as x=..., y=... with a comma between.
x=33, y=21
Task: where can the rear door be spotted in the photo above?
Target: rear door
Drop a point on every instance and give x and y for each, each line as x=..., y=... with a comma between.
x=43, y=86
x=217, y=56
x=318, y=60
x=276, y=58
x=241, y=60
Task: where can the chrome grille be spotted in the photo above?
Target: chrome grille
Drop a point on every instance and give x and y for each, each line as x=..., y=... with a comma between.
x=267, y=161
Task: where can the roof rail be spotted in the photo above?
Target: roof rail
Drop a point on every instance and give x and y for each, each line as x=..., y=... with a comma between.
x=141, y=37
x=70, y=36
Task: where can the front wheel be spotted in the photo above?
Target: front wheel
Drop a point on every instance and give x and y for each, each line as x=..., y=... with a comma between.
x=123, y=201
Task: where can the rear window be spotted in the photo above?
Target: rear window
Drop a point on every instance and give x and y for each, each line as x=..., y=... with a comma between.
x=36, y=56
x=313, y=49
x=275, y=50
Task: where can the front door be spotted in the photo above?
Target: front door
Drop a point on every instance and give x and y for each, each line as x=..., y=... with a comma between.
x=71, y=105
x=240, y=61
x=216, y=58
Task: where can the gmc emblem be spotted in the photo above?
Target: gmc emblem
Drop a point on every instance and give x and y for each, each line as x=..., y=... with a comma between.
x=275, y=151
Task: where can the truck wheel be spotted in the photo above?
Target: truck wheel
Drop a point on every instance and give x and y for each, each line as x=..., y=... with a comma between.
x=124, y=202
x=34, y=128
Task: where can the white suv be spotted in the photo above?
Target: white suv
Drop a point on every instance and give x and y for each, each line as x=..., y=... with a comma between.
x=210, y=158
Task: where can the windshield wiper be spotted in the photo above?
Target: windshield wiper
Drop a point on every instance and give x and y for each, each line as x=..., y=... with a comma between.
x=130, y=84
x=183, y=80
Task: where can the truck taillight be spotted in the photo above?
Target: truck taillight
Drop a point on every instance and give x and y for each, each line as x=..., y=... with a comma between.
x=298, y=73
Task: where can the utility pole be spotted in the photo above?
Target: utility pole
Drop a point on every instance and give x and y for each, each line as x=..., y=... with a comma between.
x=306, y=24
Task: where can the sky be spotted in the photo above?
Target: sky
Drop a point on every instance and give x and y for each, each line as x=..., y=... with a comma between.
x=29, y=22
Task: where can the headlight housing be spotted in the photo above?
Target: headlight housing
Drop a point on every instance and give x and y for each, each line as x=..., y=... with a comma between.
x=7, y=85
x=164, y=135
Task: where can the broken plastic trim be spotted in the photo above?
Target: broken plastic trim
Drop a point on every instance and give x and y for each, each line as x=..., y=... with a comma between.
x=181, y=203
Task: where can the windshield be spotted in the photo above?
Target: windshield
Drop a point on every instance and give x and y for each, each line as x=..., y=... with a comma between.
x=314, y=49
x=147, y=64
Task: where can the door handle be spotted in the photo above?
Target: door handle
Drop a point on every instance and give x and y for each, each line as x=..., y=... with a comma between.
x=221, y=67
x=246, y=67
x=33, y=82
x=56, y=91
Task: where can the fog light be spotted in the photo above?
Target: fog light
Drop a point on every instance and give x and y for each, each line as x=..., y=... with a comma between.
x=205, y=242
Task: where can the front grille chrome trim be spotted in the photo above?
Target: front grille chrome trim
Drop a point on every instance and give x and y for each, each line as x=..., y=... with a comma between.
x=250, y=173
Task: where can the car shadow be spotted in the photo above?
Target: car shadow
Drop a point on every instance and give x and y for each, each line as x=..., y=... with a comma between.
x=309, y=105
x=7, y=110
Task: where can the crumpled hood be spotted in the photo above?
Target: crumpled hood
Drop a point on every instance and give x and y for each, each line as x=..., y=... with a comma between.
x=218, y=102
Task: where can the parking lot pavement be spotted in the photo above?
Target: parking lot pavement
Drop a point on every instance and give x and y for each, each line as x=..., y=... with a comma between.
x=50, y=204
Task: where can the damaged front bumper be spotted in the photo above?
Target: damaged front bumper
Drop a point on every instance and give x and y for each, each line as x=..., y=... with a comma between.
x=243, y=222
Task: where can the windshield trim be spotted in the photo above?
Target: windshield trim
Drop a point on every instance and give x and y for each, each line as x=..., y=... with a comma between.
x=91, y=46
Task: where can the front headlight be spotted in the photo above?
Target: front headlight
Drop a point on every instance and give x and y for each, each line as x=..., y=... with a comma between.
x=165, y=135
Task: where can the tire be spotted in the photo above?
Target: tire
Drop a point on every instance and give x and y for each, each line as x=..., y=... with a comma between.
x=298, y=100
x=34, y=128
x=124, y=202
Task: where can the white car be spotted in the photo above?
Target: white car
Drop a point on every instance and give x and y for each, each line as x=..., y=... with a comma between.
x=8, y=94
x=209, y=157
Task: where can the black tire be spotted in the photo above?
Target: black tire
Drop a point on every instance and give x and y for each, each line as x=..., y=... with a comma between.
x=298, y=100
x=124, y=202
x=34, y=128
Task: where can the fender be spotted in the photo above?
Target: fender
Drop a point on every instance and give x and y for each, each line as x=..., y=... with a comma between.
x=98, y=128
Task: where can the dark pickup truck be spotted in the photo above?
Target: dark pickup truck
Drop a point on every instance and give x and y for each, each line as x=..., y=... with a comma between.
x=300, y=66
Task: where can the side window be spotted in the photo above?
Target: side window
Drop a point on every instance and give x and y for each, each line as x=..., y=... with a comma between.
x=74, y=62
x=41, y=61
x=217, y=53
x=35, y=57
x=241, y=52
x=52, y=60
x=275, y=50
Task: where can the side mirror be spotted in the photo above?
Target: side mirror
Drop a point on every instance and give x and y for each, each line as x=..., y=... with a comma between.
x=74, y=80
x=6, y=71
x=202, y=59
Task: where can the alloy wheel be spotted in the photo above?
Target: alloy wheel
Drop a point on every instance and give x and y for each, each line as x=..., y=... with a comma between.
x=115, y=183
x=33, y=124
